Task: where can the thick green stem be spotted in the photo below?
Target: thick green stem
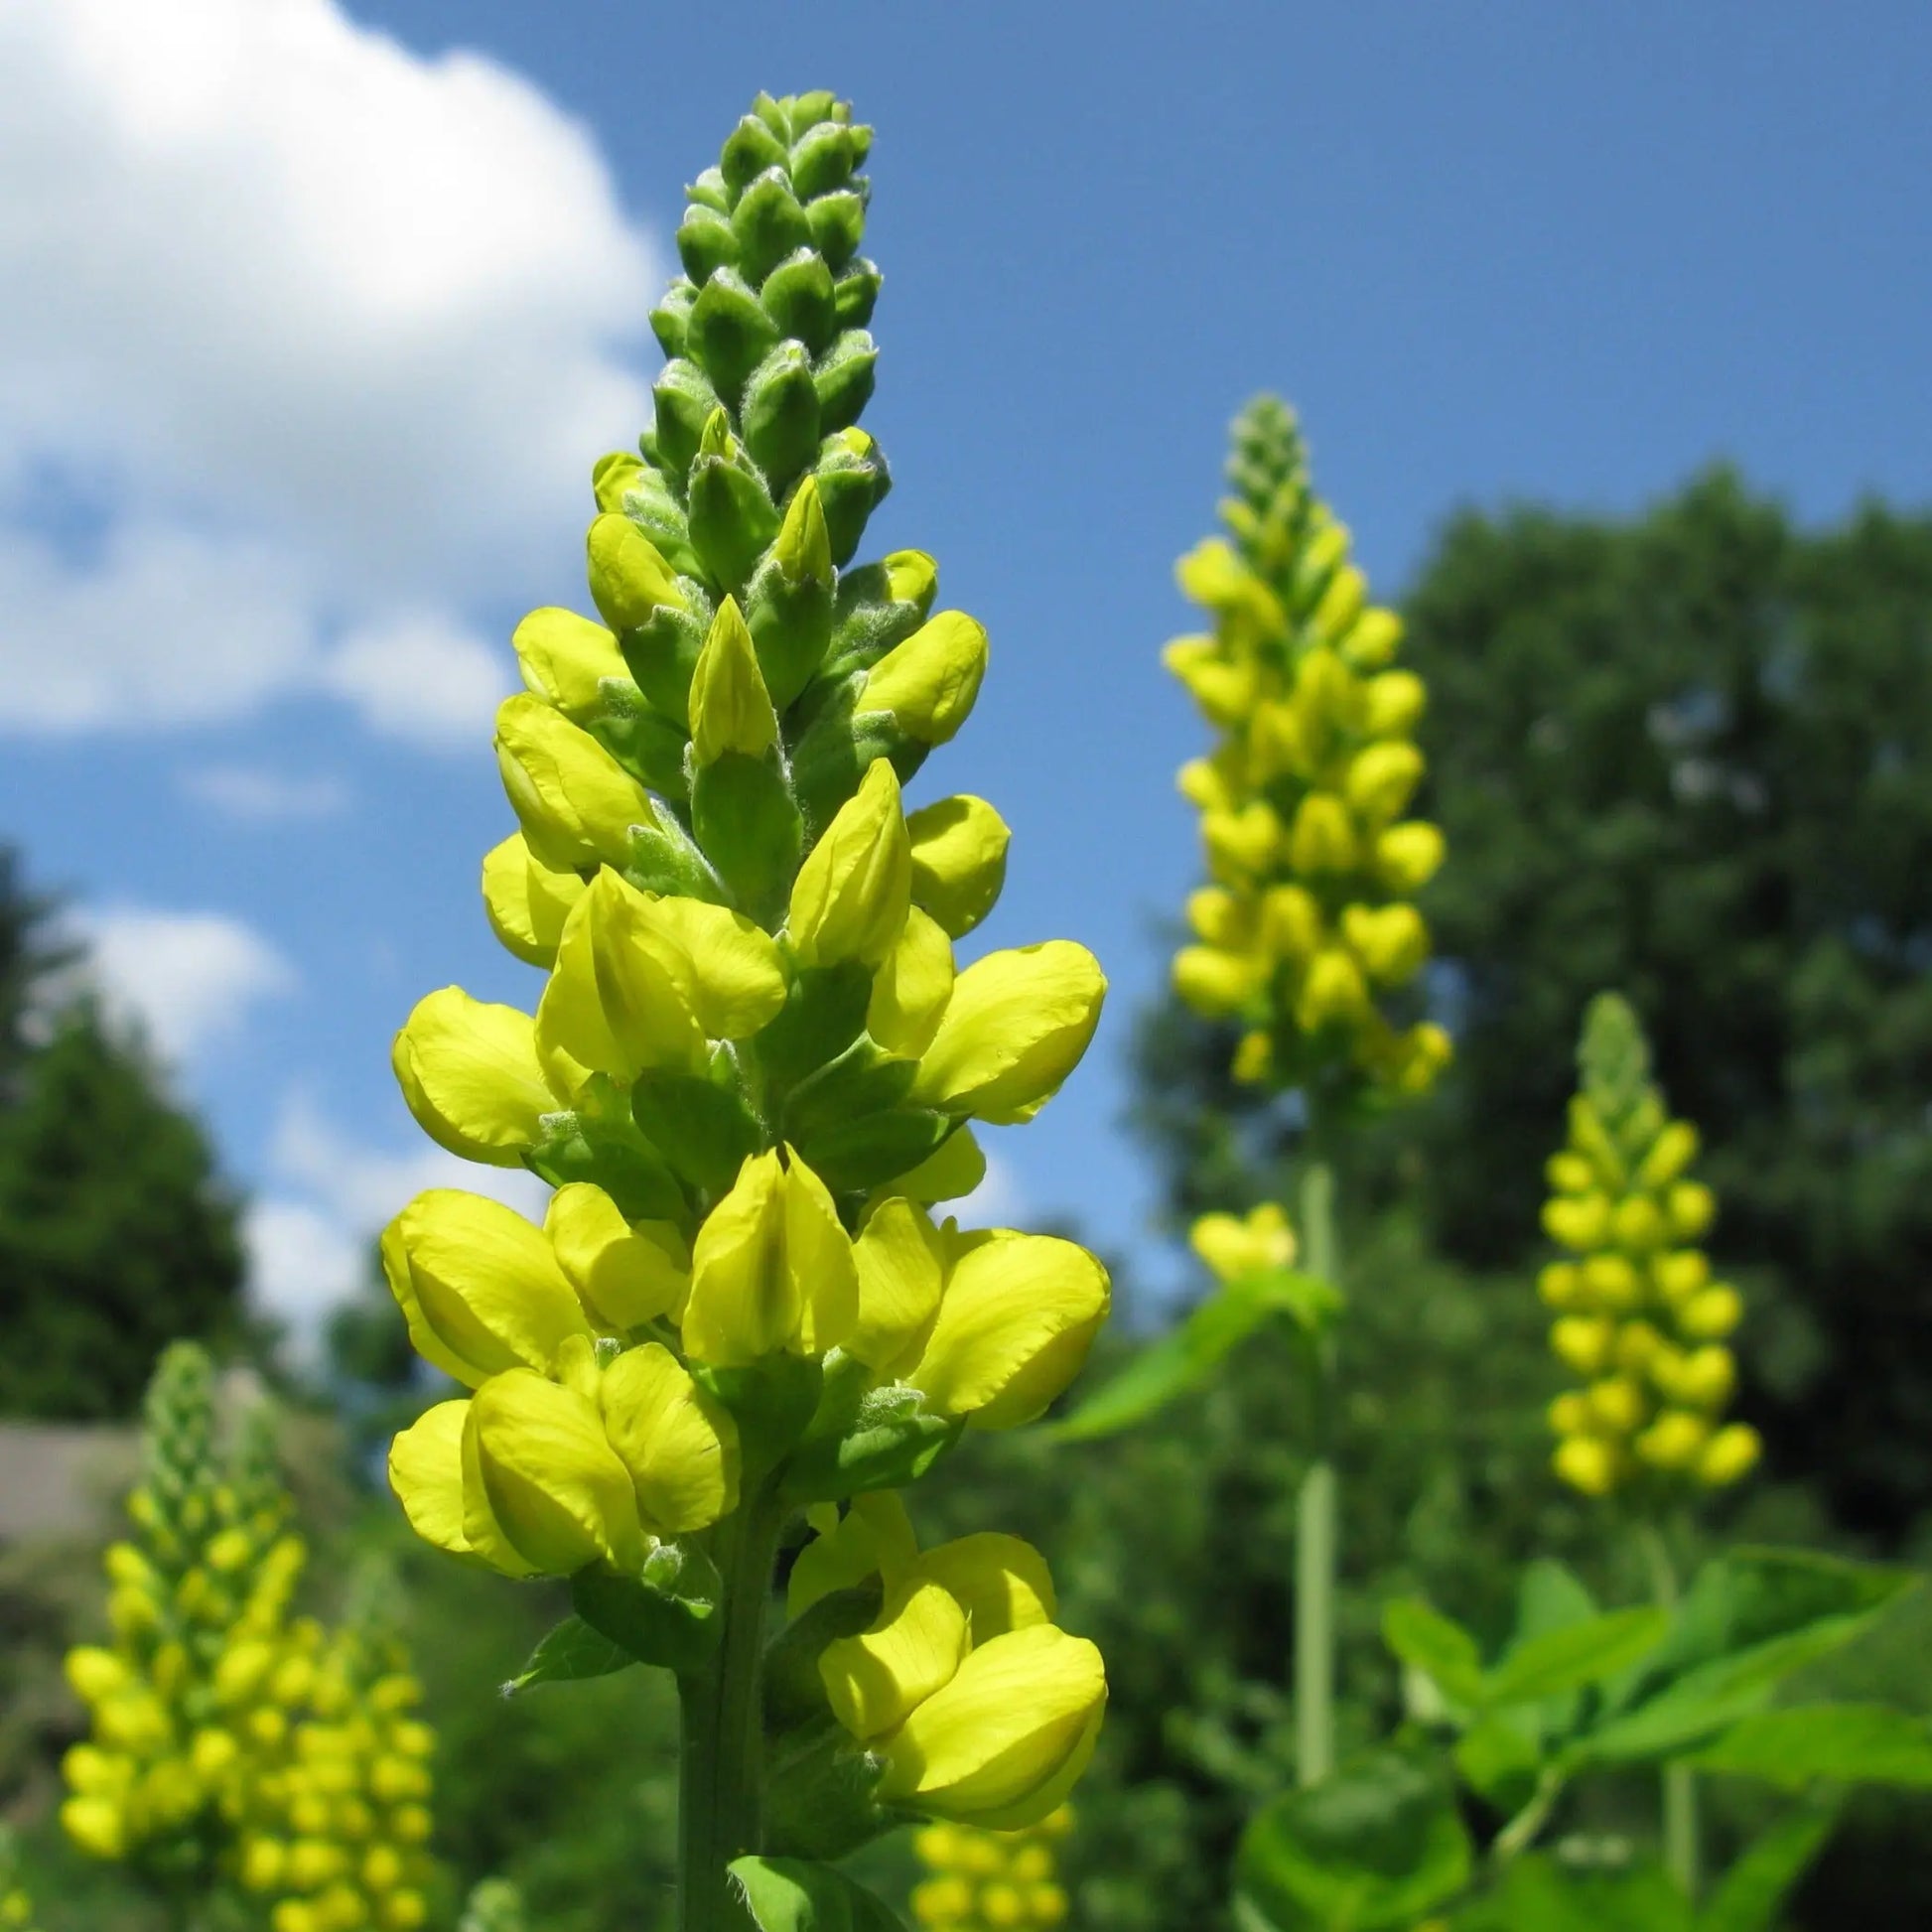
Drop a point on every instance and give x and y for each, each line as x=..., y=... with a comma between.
x=1316, y=1513
x=1681, y=1851
x=721, y=1743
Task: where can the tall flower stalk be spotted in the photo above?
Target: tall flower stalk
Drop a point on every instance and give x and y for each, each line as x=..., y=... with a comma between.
x=1307, y=932
x=750, y=1075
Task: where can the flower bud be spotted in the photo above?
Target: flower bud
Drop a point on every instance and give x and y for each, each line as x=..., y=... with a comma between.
x=628, y=579
x=781, y=412
x=1689, y=1208
x=526, y=901
x=911, y=988
x=1614, y=1283
x=1236, y=1245
x=731, y=710
x=1333, y=991
x=1391, y=941
x=1561, y=1284
x=1014, y=1027
x=1372, y=640
x=1569, y=1174
x=679, y=1444
x=771, y=1269
x=426, y=1471
x=1617, y=1405
x=1577, y=1221
x=1704, y=1379
x=575, y=802
x=1382, y=779
x=565, y=660
x=1711, y=1315
x=1321, y=838
x=1584, y=1341
x=999, y=1582
x=1394, y=704
x=930, y=682
x=470, y=1075
x=1241, y=845
x=479, y=1286
x=1674, y=1149
x=1214, y=982
x=1002, y=1742
x=959, y=861
x=1017, y=1317
x=1729, y=1456
x=624, y=1276
x=1673, y=1441
x=1588, y=1464
x=851, y=894
x=851, y=483
x=1680, y=1274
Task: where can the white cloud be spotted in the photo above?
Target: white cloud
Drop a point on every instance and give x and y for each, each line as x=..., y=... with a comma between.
x=417, y=675
x=260, y=797
x=319, y=329
x=190, y=979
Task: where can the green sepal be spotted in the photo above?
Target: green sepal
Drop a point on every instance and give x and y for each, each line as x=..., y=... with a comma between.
x=862, y=1439
x=864, y=1079
x=815, y=104
x=663, y=858
x=837, y=750
x=708, y=191
x=794, y=1693
x=775, y=114
x=729, y=333
x=648, y=503
x=837, y=226
x=797, y=1895
x=684, y=401
x=800, y=298
x=844, y=379
x=867, y=622
x=790, y=622
x=647, y=744
x=781, y=414
x=856, y=1155
x=743, y=813
x=582, y=1147
x=568, y=1654
x=704, y=1129
x=823, y=159
x=668, y=318
x=773, y=1401
x=732, y=517
x=666, y=1615
x=662, y=654
x=750, y=149
x=853, y=481
x=823, y=1014
x=856, y=293
x=768, y=224
x=706, y=242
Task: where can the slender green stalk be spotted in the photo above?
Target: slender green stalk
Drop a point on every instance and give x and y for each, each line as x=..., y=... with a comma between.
x=1521, y=1832
x=1681, y=1834
x=1317, y=1514
x=719, y=1796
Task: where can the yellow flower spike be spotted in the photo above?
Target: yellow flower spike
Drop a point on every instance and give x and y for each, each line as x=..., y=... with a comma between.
x=470, y=1075
x=959, y=861
x=526, y=901
x=566, y=660
x=1004, y=1742
x=575, y=802
x=479, y=1286
x=628, y=579
x=771, y=1267
x=731, y=710
x=999, y=1582
x=911, y=988
x=624, y=1275
x=873, y=1538
x=874, y=1681
x=1014, y=1027
x=426, y=1471
x=540, y=1476
x=680, y=1445
x=1236, y=1245
x=1017, y=1317
x=851, y=894
x=902, y=1271
x=930, y=682
x=616, y=1002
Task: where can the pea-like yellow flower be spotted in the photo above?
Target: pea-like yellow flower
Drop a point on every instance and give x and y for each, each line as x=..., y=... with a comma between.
x=1638, y=1318
x=991, y=1881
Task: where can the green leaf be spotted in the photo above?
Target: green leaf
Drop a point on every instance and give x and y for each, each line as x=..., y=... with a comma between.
x=571, y=1651
x=1184, y=1357
x=1498, y=1759
x=1840, y=1744
x=666, y=1615
x=852, y=1154
x=1749, y=1896
x=1376, y=1845
x=1550, y=1597
x=802, y=1895
x=1578, y=1654
x=1539, y=1894
x=774, y=1403
x=1435, y=1645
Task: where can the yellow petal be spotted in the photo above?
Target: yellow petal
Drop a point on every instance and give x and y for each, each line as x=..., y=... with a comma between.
x=745, y=1302
x=731, y=710
x=949, y=1173
x=624, y=1275
x=680, y=1446
x=818, y=1251
x=900, y=1273
x=525, y=900
x=628, y=579
x=1002, y=1583
x=873, y=1538
x=565, y=659
x=930, y=682
x=470, y=1075
x=851, y=894
x=911, y=989
x=575, y=802
x=736, y=980
x=877, y=1678
x=959, y=861
x=426, y=1472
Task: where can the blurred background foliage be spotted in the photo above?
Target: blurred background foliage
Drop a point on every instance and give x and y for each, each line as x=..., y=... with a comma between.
x=1688, y=755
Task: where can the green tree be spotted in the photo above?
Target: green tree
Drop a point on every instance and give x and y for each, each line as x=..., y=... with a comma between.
x=116, y=1236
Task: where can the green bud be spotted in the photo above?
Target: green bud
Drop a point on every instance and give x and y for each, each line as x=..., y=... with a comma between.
x=836, y=750
x=706, y=242
x=809, y=108
x=822, y=160
x=746, y=819
x=732, y=517
x=729, y=333
x=773, y=113
x=708, y=191
x=768, y=224
x=750, y=149
x=667, y=320
x=781, y=414
x=855, y=292
x=851, y=483
x=664, y=653
x=837, y=226
x=685, y=401
x=844, y=379
x=650, y=746
x=878, y=606
x=731, y=710
x=788, y=605
x=642, y=495
x=798, y=296
x=665, y=857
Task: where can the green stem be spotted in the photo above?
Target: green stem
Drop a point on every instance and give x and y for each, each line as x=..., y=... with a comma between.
x=1681, y=1835
x=1521, y=1830
x=721, y=1732
x=1316, y=1513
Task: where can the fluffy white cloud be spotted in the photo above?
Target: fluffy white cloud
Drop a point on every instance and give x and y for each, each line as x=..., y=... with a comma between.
x=417, y=675
x=257, y=796
x=318, y=330
x=189, y=979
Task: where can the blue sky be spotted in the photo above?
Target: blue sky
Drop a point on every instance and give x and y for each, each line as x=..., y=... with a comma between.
x=323, y=328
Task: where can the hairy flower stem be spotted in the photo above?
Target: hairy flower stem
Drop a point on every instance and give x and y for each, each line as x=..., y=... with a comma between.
x=1680, y=1832
x=721, y=1708
x=1316, y=1513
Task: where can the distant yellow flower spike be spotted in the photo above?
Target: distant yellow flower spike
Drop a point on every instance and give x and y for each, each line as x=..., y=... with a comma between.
x=1236, y=1245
